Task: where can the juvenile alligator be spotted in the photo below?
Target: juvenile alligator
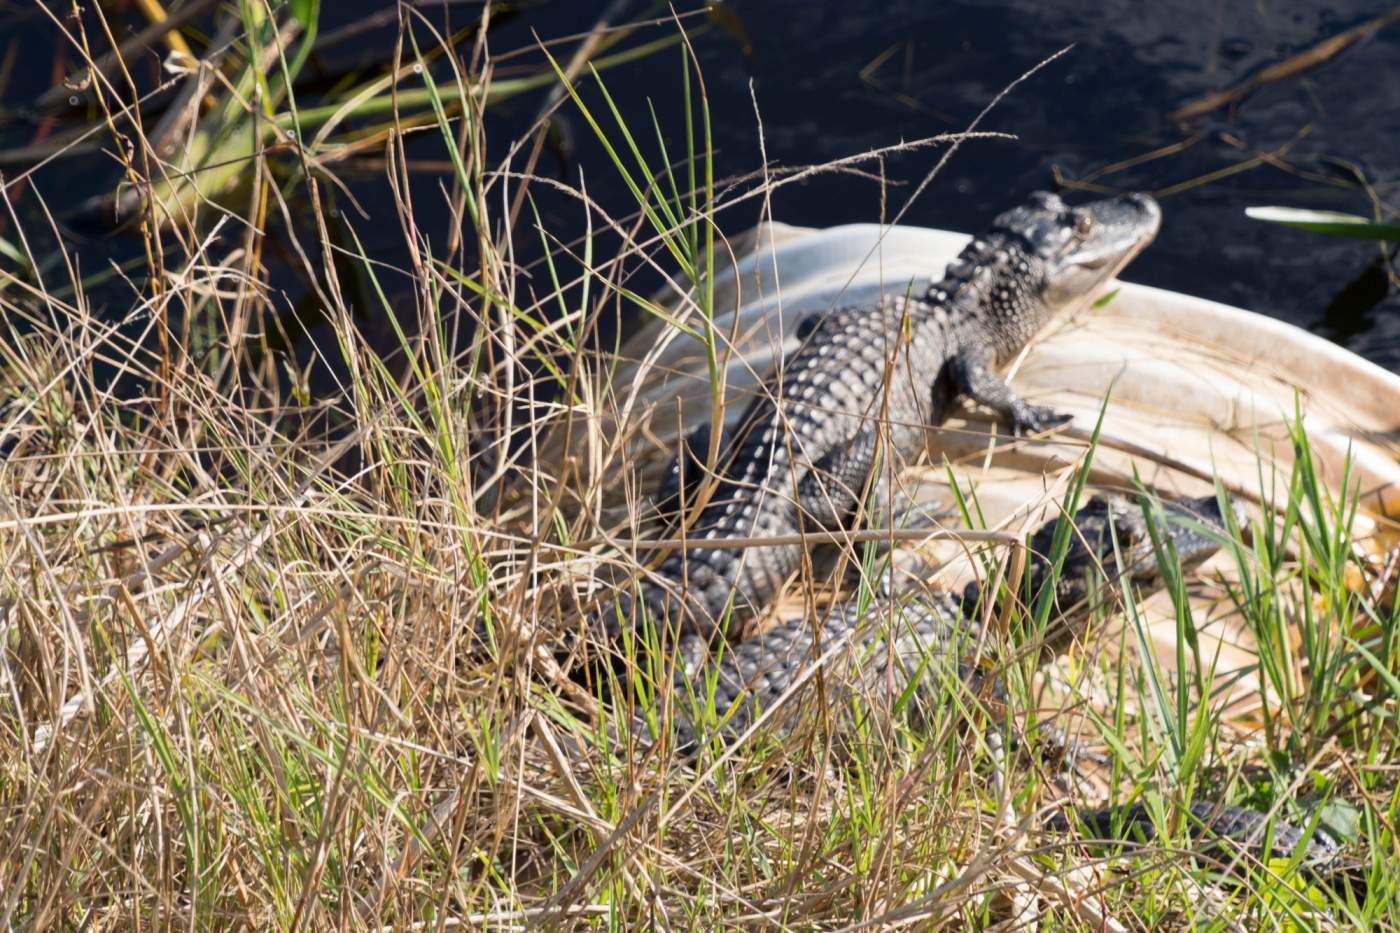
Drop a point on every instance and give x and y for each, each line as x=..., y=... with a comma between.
x=855, y=398
x=860, y=391
x=939, y=630
x=899, y=648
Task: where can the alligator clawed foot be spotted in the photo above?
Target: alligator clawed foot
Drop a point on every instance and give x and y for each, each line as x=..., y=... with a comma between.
x=1028, y=419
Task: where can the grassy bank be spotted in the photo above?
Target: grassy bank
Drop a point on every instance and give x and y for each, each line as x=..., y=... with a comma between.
x=277, y=657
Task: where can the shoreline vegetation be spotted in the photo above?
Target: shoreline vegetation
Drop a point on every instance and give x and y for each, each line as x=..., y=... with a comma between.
x=272, y=657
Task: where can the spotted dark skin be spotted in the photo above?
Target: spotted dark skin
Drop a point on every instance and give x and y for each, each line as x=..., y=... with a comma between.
x=858, y=395
x=855, y=398
x=1110, y=546
x=898, y=647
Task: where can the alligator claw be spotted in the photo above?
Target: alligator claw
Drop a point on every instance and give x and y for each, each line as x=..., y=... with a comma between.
x=1028, y=419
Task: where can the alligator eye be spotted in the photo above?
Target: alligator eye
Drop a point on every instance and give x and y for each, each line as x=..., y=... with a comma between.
x=1083, y=224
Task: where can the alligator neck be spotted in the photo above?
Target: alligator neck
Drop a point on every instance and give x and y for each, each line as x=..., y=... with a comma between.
x=994, y=285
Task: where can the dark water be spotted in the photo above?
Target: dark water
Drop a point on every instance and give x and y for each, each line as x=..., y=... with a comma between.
x=821, y=94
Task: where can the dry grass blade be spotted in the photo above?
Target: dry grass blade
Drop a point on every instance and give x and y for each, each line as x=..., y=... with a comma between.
x=159, y=630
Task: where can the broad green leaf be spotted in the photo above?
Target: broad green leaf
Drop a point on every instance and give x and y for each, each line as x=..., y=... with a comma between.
x=1332, y=223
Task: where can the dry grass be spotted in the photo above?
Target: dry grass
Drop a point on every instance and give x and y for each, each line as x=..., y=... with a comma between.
x=242, y=682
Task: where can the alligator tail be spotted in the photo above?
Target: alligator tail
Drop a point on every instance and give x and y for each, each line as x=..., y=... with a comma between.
x=1226, y=831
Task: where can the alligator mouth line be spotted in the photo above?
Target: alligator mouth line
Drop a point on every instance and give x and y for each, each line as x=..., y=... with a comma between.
x=1148, y=224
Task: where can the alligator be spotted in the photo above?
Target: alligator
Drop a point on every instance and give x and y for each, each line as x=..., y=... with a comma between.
x=850, y=404
x=933, y=628
x=891, y=651
x=856, y=397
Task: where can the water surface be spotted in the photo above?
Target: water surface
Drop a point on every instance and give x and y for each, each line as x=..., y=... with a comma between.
x=825, y=80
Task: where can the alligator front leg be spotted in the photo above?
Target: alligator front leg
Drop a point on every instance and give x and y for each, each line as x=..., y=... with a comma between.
x=973, y=376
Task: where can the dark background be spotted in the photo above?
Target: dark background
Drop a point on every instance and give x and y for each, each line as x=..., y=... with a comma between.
x=1304, y=141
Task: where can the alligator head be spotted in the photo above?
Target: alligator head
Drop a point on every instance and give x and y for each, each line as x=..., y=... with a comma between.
x=1042, y=258
x=1111, y=544
x=1112, y=541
